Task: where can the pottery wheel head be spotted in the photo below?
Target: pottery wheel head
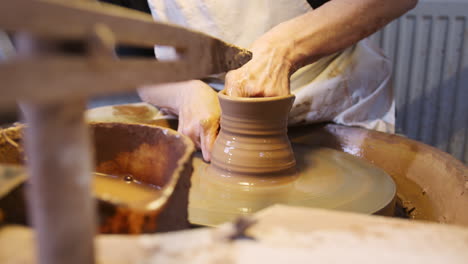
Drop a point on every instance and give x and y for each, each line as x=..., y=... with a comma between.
x=325, y=178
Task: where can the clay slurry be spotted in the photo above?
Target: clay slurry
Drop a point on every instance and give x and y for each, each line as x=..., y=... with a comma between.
x=325, y=178
x=123, y=189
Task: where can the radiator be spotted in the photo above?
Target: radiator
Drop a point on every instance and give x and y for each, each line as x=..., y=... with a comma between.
x=429, y=50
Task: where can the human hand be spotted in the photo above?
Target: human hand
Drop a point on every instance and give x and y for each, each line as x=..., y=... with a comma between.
x=199, y=116
x=197, y=106
x=265, y=75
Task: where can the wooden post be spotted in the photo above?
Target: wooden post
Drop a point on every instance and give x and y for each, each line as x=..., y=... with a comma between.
x=59, y=198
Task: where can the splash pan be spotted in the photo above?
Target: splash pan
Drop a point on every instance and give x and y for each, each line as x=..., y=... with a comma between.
x=141, y=182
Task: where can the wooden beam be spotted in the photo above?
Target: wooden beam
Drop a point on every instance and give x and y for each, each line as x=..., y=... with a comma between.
x=54, y=79
x=75, y=19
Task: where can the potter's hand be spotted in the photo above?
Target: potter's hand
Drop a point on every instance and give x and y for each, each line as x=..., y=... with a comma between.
x=197, y=106
x=266, y=75
x=302, y=40
x=199, y=116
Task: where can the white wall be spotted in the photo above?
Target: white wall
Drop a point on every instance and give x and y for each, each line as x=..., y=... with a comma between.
x=429, y=49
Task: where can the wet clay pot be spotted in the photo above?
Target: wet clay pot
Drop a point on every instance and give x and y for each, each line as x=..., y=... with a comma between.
x=253, y=138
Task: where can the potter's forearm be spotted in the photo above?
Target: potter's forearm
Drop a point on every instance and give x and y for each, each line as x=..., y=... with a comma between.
x=167, y=96
x=333, y=27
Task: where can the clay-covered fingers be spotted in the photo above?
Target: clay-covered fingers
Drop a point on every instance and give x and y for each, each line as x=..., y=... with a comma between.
x=260, y=77
x=251, y=82
x=209, y=131
x=244, y=83
x=188, y=122
x=235, y=84
x=199, y=115
x=188, y=128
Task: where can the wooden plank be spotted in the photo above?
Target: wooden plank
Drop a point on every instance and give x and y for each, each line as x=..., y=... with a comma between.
x=54, y=79
x=282, y=235
x=75, y=20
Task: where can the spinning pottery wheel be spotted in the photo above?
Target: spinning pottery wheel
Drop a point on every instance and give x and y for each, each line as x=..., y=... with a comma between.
x=327, y=179
x=430, y=184
x=253, y=167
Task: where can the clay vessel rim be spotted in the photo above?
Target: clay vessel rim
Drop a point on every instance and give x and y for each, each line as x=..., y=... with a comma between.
x=222, y=95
